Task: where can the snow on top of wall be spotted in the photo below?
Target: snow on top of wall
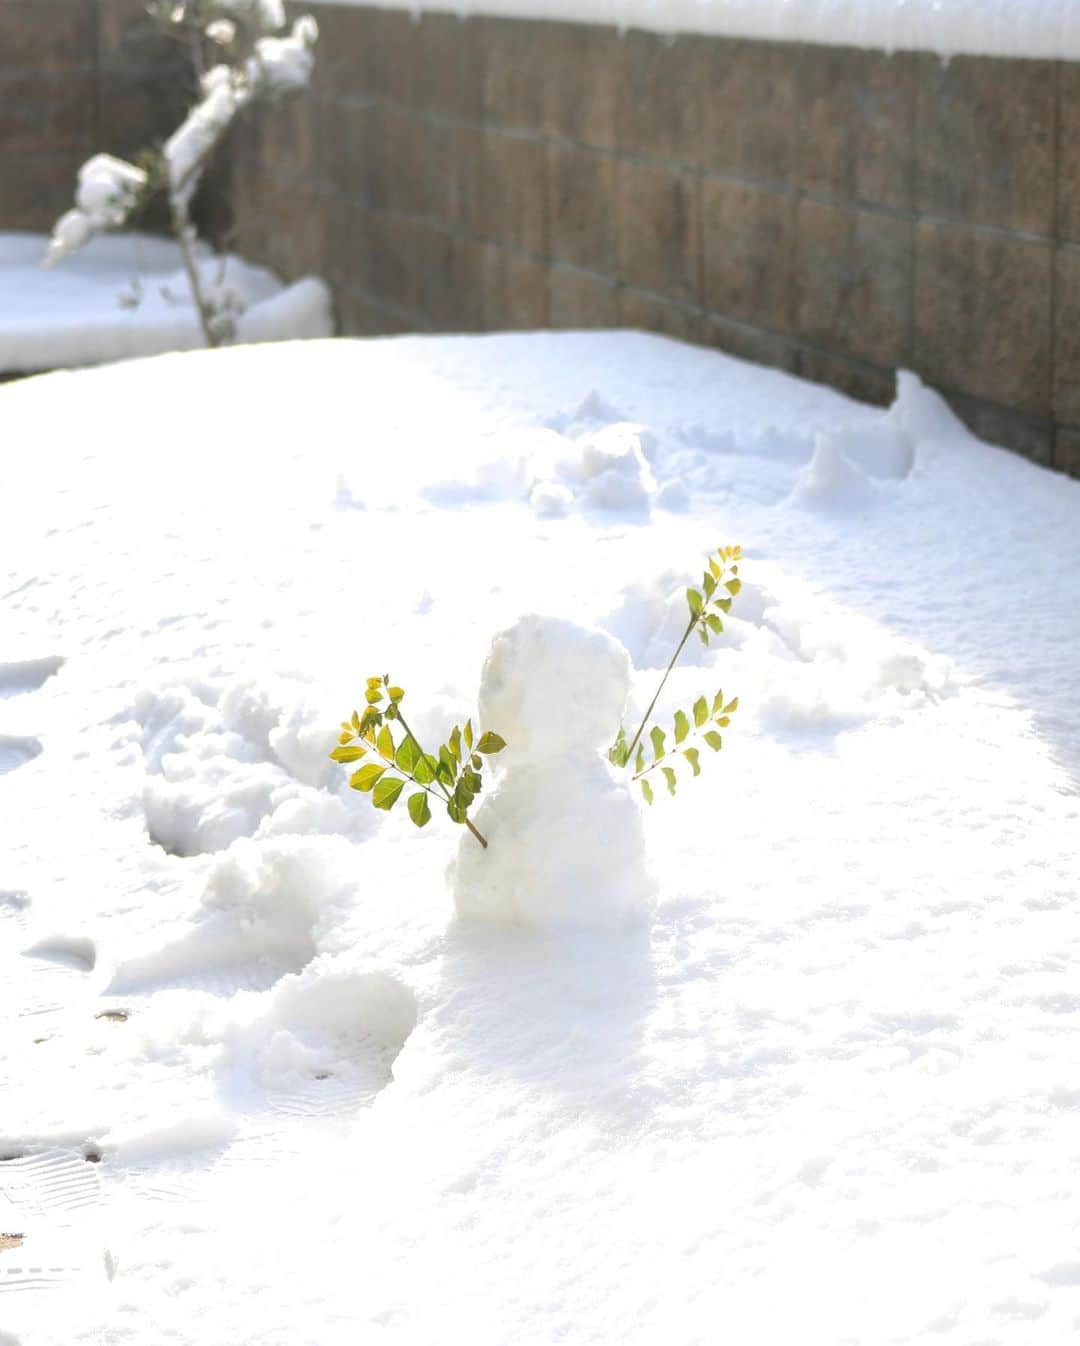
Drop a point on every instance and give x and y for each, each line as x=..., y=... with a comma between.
x=1023, y=28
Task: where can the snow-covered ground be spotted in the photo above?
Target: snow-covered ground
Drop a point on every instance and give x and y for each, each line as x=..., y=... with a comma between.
x=261, y=1086
x=126, y=294
x=1049, y=29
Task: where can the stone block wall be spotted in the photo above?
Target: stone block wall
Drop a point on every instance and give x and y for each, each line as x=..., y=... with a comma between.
x=77, y=76
x=833, y=212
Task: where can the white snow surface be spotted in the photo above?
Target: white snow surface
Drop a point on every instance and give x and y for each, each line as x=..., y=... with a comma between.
x=1021, y=28
x=827, y=1091
x=78, y=313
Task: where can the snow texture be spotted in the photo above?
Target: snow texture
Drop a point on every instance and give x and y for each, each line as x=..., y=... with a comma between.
x=126, y=295
x=262, y=1084
x=1047, y=29
x=565, y=841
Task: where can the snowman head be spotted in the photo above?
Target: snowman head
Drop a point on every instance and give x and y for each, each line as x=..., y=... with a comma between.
x=553, y=689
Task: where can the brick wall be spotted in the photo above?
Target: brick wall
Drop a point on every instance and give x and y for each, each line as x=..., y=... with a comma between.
x=76, y=76
x=833, y=212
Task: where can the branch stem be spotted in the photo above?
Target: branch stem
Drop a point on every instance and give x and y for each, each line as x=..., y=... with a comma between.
x=667, y=673
x=404, y=724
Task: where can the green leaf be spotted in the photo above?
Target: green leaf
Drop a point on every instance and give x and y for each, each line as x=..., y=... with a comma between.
x=396, y=694
x=639, y=760
x=682, y=726
x=408, y=755
x=463, y=795
x=701, y=712
x=419, y=808
x=447, y=766
x=477, y=761
x=490, y=742
x=691, y=755
x=669, y=776
x=468, y=735
x=694, y=602
x=715, y=570
x=348, y=754
x=386, y=792
x=732, y=706
x=703, y=634
x=426, y=768
x=733, y=586
x=385, y=743
x=657, y=736
x=444, y=775
x=455, y=744
x=715, y=625
x=364, y=779
x=473, y=780
x=713, y=739
x=646, y=790
x=724, y=604
x=718, y=703
x=456, y=812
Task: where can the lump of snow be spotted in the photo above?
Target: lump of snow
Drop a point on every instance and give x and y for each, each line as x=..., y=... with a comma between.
x=924, y=414
x=566, y=846
x=831, y=481
x=125, y=295
x=613, y=468
x=884, y=450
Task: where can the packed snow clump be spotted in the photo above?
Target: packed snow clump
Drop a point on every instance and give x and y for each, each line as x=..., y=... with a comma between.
x=566, y=846
x=125, y=295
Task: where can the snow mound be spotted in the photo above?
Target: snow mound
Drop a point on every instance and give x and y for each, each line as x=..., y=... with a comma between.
x=831, y=481
x=126, y=295
x=241, y=759
x=325, y=1021
x=566, y=846
x=267, y=908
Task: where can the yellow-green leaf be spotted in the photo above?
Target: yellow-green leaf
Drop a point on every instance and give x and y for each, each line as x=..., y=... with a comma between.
x=385, y=743
x=348, y=754
x=386, y=792
x=364, y=779
x=701, y=711
x=419, y=808
x=490, y=742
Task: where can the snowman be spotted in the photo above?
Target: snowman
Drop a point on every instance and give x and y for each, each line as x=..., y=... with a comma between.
x=566, y=846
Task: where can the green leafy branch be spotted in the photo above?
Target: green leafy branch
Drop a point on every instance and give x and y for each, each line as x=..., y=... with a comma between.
x=453, y=776
x=708, y=605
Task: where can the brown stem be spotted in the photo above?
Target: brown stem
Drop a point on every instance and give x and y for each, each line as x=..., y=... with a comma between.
x=182, y=230
x=438, y=782
x=674, y=658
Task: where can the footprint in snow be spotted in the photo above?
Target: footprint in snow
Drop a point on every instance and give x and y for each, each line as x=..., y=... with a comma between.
x=47, y=1199
x=16, y=751
x=27, y=675
x=61, y=966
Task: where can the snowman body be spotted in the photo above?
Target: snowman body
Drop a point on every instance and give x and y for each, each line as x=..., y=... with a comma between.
x=565, y=839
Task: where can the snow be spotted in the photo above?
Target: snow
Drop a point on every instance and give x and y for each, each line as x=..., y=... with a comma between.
x=264, y=1085
x=126, y=294
x=553, y=690
x=1047, y=29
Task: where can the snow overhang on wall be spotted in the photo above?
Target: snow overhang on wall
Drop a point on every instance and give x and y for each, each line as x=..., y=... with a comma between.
x=1023, y=28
